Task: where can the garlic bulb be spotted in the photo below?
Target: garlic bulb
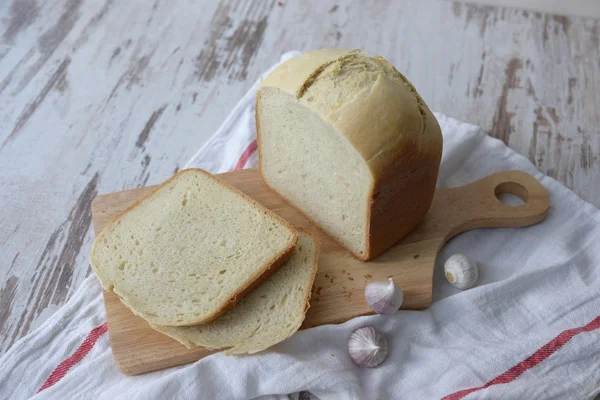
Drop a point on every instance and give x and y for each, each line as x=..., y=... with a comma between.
x=461, y=271
x=367, y=347
x=384, y=297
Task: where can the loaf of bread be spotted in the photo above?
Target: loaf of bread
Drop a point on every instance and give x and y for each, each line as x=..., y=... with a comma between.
x=268, y=315
x=347, y=140
x=190, y=250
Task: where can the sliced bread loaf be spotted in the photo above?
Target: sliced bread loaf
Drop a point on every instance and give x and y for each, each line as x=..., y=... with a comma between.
x=190, y=250
x=347, y=140
x=268, y=315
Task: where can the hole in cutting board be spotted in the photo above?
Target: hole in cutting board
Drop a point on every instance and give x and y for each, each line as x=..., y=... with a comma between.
x=511, y=194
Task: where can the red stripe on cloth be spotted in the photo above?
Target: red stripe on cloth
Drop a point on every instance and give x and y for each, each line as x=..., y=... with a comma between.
x=540, y=355
x=246, y=155
x=81, y=352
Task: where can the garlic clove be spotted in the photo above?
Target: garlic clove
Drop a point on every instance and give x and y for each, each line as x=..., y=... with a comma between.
x=461, y=271
x=367, y=347
x=384, y=297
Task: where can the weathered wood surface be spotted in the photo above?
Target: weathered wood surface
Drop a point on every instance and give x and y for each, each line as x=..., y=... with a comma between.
x=580, y=8
x=99, y=96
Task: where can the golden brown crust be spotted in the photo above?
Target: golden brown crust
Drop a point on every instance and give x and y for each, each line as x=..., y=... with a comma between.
x=372, y=94
x=403, y=154
x=254, y=280
x=399, y=202
x=405, y=191
x=314, y=270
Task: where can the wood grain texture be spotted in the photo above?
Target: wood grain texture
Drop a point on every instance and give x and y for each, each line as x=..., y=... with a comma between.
x=581, y=8
x=100, y=95
x=338, y=290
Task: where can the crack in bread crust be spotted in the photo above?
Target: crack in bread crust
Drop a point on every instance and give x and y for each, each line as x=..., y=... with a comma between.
x=317, y=72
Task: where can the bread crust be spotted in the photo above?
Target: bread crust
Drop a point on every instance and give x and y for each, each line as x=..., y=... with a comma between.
x=404, y=200
x=253, y=280
x=403, y=154
x=315, y=268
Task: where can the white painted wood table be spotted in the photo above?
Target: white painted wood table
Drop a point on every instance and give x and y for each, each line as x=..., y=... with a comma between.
x=99, y=96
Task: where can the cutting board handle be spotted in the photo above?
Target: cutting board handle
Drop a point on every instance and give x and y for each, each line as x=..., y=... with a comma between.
x=485, y=210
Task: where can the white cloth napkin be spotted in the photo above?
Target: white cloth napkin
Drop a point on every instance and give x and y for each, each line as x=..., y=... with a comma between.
x=528, y=330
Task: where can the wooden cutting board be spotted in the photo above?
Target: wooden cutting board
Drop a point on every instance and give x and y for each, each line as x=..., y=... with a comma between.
x=340, y=281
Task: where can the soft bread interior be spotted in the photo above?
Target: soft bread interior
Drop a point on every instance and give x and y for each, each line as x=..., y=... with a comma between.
x=314, y=167
x=183, y=253
x=270, y=314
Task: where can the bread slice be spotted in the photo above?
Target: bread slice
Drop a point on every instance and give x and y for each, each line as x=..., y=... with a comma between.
x=190, y=250
x=347, y=140
x=268, y=315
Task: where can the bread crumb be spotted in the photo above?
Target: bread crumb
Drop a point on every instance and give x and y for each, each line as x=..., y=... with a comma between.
x=416, y=256
x=350, y=278
x=343, y=271
x=368, y=276
x=331, y=355
x=326, y=276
